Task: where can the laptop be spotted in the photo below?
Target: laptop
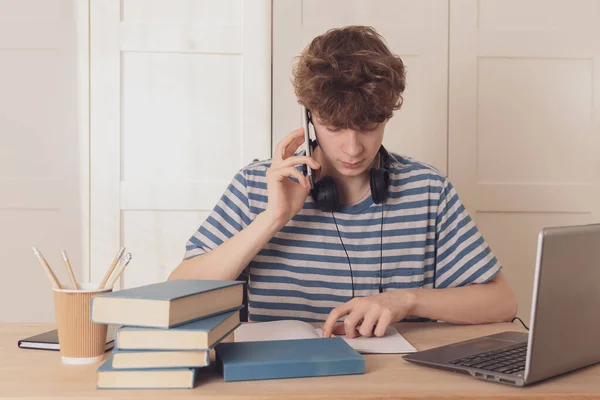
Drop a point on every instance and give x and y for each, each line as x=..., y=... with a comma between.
x=565, y=318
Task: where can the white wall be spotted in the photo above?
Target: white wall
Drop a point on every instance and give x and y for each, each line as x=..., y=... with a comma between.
x=180, y=101
x=501, y=96
x=524, y=122
x=416, y=30
x=40, y=190
x=481, y=51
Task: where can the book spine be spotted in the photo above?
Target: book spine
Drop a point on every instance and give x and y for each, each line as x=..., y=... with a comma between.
x=193, y=376
x=257, y=371
x=115, y=341
x=224, y=336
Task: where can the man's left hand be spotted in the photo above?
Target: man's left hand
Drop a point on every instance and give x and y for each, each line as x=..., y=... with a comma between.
x=369, y=315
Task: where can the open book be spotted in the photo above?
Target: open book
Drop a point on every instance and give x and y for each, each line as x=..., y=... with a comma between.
x=391, y=342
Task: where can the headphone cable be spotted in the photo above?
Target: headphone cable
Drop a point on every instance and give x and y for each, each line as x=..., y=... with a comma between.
x=381, y=254
x=342, y=242
x=380, y=246
x=348, y=257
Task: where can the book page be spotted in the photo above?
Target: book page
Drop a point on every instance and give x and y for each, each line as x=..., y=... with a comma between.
x=390, y=342
x=275, y=330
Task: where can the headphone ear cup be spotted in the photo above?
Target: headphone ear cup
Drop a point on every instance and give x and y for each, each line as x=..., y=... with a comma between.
x=325, y=195
x=380, y=181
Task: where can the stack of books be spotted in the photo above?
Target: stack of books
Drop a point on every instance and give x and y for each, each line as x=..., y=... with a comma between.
x=166, y=331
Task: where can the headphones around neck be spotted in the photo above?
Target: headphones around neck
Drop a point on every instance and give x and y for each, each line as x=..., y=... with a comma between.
x=325, y=193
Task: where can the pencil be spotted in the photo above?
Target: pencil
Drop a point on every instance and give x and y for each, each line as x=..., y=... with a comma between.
x=119, y=271
x=70, y=270
x=112, y=267
x=53, y=279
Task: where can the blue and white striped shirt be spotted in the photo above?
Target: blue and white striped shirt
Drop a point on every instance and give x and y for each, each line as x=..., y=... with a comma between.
x=303, y=272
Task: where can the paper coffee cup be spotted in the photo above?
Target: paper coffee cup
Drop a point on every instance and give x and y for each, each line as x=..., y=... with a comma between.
x=81, y=341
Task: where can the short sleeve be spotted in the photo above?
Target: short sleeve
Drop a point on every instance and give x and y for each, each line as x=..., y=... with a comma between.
x=463, y=256
x=229, y=216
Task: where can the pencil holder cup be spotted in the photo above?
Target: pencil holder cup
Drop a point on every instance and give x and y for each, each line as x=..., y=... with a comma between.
x=81, y=341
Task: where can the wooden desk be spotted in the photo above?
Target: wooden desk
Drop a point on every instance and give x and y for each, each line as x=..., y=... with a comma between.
x=40, y=374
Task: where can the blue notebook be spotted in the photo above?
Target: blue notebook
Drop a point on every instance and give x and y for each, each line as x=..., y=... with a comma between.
x=242, y=361
x=108, y=377
x=167, y=304
x=196, y=335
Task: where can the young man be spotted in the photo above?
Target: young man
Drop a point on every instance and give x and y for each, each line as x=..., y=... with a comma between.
x=413, y=253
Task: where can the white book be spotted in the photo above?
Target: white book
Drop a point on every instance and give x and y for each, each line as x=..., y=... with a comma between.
x=391, y=342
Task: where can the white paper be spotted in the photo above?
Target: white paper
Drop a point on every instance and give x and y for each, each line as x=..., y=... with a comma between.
x=275, y=330
x=391, y=342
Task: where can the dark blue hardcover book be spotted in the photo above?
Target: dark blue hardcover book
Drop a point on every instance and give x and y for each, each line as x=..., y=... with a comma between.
x=167, y=304
x=274, y=359
x=195, y=335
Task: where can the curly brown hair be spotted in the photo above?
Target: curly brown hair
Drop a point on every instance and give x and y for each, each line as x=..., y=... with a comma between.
x=349, y=78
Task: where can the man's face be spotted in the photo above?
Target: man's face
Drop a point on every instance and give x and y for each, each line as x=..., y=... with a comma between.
x=349, y=152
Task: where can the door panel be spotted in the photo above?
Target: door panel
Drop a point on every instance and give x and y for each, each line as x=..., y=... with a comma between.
x=524, y=122
x=164, y=73
x=40, y=202
x=415, y=30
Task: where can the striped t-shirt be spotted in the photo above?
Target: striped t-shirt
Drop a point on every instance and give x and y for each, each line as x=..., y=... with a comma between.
x=303, y=272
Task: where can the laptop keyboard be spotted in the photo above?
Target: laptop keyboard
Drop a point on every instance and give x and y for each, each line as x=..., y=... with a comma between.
x=506, y=361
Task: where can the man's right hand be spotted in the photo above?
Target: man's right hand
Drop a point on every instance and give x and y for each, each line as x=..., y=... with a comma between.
x=286, y=197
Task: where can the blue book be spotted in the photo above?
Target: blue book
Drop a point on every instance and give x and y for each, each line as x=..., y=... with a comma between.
x=108, y=377
x=196, y=335
x=274, y=359
x=167, y=304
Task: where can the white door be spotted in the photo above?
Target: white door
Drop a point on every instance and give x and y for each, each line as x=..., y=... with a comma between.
x=180, y=100
x=415, y=30
x=40, y=201
x=524, y=122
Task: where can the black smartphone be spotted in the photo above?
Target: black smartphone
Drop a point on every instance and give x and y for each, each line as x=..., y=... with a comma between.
x=308, y=151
